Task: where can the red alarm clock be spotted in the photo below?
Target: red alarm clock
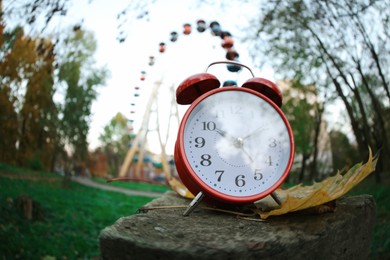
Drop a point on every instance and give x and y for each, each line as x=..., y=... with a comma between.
x=234, y=144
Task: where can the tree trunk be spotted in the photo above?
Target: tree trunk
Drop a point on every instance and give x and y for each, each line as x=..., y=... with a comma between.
x=379, y=127
x=303, y=167
x=317, y=130
x=364, y=120
x=360, y=139
x=374, y=54
x=354, y=122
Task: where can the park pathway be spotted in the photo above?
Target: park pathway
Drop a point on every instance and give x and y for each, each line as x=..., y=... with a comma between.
x=88, y=182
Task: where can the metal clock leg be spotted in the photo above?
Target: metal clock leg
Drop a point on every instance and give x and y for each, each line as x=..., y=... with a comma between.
x=276, y=198
x=194, y=203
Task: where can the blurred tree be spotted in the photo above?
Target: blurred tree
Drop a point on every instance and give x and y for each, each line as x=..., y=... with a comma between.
x=301, y=104
x=115, y=139
x=38, y=13
x=28, y=75
x=335, y=45
x=81, y=77
x=9, y=126
x=8, y=115
x=27, y=106
x=38, y=115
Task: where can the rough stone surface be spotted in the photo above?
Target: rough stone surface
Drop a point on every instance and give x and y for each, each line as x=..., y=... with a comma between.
x=205, y=234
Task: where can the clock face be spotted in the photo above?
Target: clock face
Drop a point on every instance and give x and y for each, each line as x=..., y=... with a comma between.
x=237, y=144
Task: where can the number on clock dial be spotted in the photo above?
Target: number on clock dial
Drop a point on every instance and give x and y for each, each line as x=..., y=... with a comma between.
x=209, y=126
x=200, y=142
x=239, y=179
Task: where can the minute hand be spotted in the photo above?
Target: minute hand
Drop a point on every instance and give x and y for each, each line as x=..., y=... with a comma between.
x=258, y=130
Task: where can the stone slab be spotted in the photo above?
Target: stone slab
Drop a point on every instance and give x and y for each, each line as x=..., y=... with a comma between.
x=166, y=234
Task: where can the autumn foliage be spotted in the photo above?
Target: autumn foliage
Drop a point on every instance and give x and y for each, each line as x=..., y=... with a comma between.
x=35, y=130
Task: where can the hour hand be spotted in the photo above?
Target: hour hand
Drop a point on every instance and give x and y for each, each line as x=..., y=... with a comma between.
x=219, y=131
x=226, y=135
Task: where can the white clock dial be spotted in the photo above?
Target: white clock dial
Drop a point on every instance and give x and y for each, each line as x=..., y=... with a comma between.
x=237, y=143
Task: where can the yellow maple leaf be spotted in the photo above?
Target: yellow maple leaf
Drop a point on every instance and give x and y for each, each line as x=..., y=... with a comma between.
x=303, y=197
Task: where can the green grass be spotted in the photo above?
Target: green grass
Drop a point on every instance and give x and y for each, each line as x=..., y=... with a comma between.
x=135, y=185
x=73, y=217
x=70, y=220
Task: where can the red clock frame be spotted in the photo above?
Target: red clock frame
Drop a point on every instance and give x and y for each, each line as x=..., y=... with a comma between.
x=195, y=184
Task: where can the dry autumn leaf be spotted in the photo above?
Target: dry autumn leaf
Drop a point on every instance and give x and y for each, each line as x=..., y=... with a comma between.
x=303, y=197
x=179, y=188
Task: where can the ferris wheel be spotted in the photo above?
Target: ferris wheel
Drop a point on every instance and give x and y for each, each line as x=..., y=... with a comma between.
x=140, y=163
